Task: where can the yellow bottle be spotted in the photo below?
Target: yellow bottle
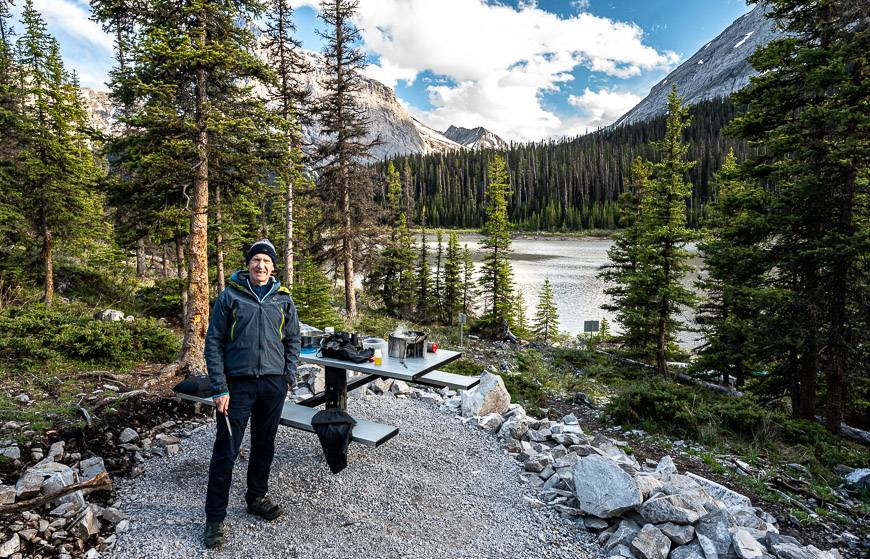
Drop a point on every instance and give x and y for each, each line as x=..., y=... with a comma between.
x=379, y=357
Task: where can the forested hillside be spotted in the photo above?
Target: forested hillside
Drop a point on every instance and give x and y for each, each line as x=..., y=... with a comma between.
x=566, y=184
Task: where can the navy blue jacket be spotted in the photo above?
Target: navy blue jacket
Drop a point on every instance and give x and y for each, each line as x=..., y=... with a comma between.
x=249, y=336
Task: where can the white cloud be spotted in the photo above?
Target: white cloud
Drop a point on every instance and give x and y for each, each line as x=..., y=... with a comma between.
x=602, y=107
x=500, y=58
x=74, y=19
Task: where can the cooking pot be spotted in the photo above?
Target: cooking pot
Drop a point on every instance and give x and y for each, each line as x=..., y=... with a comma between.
x=312, y=338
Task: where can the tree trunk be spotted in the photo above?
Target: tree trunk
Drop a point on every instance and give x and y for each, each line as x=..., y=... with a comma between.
x=47, y=262
x=808, y=366
x=140, y=258
x=347, y=245
x=196, y=318
x=179, y=270
x=219, y=241
x=165, y=263
x=288, y=235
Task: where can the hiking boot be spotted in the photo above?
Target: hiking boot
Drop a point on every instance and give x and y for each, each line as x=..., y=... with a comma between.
x=214, y=534
x=264, y=508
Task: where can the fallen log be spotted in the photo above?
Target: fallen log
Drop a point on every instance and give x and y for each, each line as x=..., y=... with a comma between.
x=100, y=481
x=681, y=377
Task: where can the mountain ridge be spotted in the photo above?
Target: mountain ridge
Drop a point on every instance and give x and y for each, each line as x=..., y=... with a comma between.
x=717, y=69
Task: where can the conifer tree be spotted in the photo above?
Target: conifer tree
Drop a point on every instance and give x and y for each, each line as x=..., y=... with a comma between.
x=735, y=265
x=56, y=167
x=546, y=324
x=807, y=109
x=311, y=294
x=469, y=285
x=626, y=281
x=393, y=274
x=438, y=288
x=452, y=299
x=521, y=321
x=194, y=124
x=663, y=257
x=425, y=308
x=344, y=183
x=291, y=97
x=10, y=202
x=496, y=277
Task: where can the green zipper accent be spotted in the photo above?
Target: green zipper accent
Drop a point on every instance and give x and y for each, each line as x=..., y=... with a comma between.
x=233, y=329
x=281, y=329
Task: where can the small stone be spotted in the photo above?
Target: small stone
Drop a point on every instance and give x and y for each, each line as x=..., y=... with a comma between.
x=122, y=526
x=91, y=468
x=666, y=466
x=603, y=488
x=11, y=452
x=399, y=387
x=716, y=527
x=7, y=494
x=13, y=545
x=128, y=435
x=172, y=449
x=28, y=534
x=23, y=398
x=594, y=524
x=680, y=535
x=624, y=533
x=746, y=546
x=679, y=509
x=733, y=501
x=113, y=515
x=491, y=422
x=690, y=551
x=85, y=525
x=29, y=485
x=166, y=440
x=651, y=543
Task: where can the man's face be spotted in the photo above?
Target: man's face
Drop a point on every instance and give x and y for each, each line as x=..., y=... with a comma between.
x=260, y=268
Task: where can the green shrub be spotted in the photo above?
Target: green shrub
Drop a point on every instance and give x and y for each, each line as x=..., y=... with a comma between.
x=38, y=337
x=96, y=287
x=464, y=366
x=162, y=300
x=712, y=419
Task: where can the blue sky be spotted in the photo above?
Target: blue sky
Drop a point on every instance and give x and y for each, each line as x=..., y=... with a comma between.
x=526, y=70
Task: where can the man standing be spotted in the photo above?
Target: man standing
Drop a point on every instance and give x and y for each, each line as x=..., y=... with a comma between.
x=251, y=350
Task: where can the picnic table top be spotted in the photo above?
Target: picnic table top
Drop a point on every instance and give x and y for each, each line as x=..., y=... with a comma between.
x=413, y=368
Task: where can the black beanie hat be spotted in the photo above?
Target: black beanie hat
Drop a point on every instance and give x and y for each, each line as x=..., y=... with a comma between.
x=263, y=246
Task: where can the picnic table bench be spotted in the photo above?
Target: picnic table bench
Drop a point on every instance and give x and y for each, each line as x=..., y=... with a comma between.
x=421, y=370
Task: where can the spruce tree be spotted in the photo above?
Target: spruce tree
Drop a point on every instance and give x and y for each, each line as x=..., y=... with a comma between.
x=664, y=234
x=452, y=299
x=807, y=111
x=291, y=97
x=546, y=324
x=438, y=288
x=735, y=266
x=10, y=194
x=55, y=167
x=425, y=307
x=521, y=321
x=496, y=276
x=311, y=294
x=393, y=274
x=626, y=281
x=193, y=125
x=469, y=285
x=344, y=183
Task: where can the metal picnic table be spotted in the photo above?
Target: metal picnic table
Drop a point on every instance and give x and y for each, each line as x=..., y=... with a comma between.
x=421, y=370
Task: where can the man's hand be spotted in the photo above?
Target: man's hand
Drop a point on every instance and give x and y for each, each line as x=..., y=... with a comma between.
x=222, y=403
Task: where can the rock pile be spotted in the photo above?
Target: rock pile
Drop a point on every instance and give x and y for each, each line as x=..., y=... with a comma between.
x=641, y=511
x=71, y=525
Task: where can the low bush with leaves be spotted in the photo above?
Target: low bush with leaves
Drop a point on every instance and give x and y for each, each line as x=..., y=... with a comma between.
x=37, y=337
x=716, y=420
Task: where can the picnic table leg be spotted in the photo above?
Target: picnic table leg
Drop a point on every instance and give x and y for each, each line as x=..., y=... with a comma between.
x=336, y=388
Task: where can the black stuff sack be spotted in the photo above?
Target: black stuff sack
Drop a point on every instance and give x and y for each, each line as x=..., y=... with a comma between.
x=334, y=429
x=339, y=346
x=194, y=385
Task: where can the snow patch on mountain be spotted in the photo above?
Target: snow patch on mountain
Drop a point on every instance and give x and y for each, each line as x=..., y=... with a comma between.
x=474, y=138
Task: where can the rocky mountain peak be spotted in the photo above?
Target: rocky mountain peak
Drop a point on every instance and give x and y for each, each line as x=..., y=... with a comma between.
x=478, y=137
x=718, y=69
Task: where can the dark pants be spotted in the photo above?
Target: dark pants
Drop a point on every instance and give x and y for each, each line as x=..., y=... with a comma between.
x=262, y=400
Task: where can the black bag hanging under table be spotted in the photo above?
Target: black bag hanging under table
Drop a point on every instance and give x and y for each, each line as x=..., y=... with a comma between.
x=334, y=429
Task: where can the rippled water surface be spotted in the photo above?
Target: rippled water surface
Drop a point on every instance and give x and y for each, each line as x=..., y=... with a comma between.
x=571, y=265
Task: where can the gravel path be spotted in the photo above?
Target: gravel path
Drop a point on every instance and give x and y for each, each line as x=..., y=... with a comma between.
x=439, y=489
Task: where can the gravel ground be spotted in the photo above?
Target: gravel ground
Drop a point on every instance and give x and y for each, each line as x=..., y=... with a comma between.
x=439, y=489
